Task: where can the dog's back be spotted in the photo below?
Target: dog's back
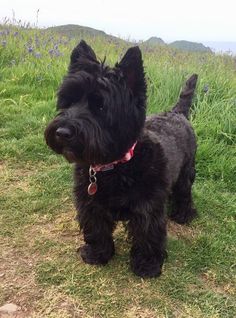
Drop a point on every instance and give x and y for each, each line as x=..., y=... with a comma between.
x=174, y=133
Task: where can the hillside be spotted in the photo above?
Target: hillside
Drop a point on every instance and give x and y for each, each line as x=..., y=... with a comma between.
x=74, y=31
x=189, y=46
x=154, y=41
x=78, y=31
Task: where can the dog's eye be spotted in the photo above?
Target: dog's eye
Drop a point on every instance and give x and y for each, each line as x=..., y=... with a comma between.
x=95, y=102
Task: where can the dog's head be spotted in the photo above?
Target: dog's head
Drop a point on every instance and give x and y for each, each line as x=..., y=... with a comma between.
x=101, y=110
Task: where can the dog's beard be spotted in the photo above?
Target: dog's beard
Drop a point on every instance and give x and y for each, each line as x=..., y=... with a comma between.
x=83, y=150
x=70, y=156
x=90, y=143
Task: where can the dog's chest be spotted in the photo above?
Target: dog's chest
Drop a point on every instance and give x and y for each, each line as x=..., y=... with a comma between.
x=114, y=188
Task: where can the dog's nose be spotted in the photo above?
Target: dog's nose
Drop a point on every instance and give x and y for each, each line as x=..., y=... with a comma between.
x=64, y=133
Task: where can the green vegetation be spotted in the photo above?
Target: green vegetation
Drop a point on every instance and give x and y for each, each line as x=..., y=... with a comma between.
x=39, y=267
x=189, y=46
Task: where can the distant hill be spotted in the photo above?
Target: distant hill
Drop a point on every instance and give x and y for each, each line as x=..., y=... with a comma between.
x=77, y=31
x=74, y=31
x=154, y=41
x=190, y=46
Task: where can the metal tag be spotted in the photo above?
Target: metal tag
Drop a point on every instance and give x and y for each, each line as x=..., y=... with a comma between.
x=92, y=188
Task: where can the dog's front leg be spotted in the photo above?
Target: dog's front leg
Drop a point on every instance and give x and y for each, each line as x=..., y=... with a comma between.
x=147, y=228
x=97, y=228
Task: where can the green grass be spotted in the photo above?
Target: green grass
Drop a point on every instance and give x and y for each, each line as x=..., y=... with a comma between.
x=39, y=267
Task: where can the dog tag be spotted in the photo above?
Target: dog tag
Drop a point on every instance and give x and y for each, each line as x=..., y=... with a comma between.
x=92, y=188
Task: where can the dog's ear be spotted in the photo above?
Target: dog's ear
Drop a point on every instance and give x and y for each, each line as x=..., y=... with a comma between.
x=131, y=66
x=82, y=51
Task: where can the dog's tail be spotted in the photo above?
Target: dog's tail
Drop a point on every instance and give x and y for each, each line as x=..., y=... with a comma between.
x=186, y=96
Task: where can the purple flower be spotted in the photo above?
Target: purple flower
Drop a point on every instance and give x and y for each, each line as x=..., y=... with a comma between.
x=51, y=52
x=38, y=55
x=55, y=53
x=30, y=49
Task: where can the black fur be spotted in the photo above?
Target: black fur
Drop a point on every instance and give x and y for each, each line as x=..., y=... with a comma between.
x=102, y=113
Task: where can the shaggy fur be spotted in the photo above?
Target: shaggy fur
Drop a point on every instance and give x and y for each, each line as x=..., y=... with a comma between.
x=102, y=113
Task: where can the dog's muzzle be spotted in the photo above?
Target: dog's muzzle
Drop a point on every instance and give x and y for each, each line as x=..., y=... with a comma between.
x=61, y=139
x=64, y=134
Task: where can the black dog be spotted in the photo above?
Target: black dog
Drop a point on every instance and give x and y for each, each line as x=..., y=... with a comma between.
x=125, y=167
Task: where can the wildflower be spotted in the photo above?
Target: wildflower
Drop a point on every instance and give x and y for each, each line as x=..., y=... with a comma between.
x=38, y=55
x=206, y=88
x=30, y=49
x=51, y=51
x=16, y=33
x=57, y=53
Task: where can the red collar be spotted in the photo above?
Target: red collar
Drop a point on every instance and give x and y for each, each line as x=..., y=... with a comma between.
x=129, y=155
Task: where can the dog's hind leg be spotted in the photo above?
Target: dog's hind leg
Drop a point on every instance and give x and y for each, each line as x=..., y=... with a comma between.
x=182, y=204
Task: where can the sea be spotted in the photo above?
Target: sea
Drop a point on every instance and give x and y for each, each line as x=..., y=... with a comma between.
x=222, y=47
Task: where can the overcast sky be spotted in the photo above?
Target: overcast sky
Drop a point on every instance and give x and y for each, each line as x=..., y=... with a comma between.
x=199, y=20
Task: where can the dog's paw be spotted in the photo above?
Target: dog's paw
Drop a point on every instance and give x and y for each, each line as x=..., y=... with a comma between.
x=95, y=255
x=183, y=218
x=147, y=266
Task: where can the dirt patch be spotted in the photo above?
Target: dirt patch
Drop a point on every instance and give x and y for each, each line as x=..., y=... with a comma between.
x=17, y=283
x=19, y=259
x=185, y=232
x=55, y=304
x=140, y=312
x=62, y=228
x=209, y=280
x=13, y=179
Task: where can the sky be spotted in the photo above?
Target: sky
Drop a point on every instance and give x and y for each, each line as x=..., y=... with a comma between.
x=199, y=20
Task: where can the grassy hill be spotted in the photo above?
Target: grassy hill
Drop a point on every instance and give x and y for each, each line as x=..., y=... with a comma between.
x=72, y=30
x=77, y=31
x=190, y=46
x=39, y=267
x=154, y=41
